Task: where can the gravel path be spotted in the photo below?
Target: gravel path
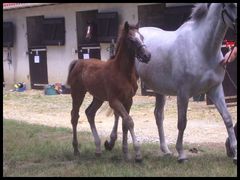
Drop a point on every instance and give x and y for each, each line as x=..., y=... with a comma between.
x=204, y=122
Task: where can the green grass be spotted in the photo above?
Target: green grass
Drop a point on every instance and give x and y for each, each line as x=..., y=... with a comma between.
x=36, y=150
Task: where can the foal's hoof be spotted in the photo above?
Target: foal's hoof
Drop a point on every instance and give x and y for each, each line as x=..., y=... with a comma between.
x=98, y=154
x=127, y=157
x=76, y=153
x=183, y=160
x=108, y=146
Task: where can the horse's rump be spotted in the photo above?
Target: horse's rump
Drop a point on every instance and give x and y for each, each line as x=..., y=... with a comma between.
x=71, y=66
x=77, y=66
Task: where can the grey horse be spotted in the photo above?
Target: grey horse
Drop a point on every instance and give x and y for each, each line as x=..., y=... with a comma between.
x=185, y=63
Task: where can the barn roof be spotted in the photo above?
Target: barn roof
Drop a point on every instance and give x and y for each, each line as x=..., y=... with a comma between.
x=7, y=6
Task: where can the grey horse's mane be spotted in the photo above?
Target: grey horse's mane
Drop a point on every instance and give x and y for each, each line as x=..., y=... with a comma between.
x=199, y=11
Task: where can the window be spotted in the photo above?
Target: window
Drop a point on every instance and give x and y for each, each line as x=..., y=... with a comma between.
x=54, y=31
x=107, y=26
x=8, y=34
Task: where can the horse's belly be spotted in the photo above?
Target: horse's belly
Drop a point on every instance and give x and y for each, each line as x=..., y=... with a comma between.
x=160, y=86
x=97, y=90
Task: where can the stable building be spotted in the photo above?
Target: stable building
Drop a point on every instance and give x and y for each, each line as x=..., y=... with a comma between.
x=41, y=39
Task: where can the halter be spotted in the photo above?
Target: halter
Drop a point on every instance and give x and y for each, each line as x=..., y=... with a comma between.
x=228, y=15
x=138, y=48
x=141, y=46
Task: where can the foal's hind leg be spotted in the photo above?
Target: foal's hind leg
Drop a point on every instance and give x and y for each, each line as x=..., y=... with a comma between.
x=159, y=116
x=113, y=137
x=217, y=97
x=77, y=99
x=91, y=112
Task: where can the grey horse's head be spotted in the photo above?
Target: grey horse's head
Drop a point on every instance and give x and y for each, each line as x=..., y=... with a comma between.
x=229, y=15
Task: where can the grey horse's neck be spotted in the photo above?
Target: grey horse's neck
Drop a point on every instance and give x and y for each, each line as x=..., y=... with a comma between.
x=214, y=29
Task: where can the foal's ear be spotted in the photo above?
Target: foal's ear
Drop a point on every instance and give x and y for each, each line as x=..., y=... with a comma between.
x=137, y=25
x=126, y=26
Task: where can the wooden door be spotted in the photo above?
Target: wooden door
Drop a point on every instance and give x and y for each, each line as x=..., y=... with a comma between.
x=37, y=52
x=38, y=67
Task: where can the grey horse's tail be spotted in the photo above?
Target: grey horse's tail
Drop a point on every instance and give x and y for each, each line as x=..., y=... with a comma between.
x=71, y=66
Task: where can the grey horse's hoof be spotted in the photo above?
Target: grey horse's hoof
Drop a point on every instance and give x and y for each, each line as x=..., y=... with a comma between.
x=228, y=149
x=168, y=154
x=108, y=146
x=138, y=160
x=183, y=160
x=235, y=161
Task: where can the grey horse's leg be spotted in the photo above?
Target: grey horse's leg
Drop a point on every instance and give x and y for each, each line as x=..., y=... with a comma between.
x=91, y=112
x=216, y=95
x=113, y=137
x=128, y=124
x=182, y=105
x=159, y=116
x=77, y=99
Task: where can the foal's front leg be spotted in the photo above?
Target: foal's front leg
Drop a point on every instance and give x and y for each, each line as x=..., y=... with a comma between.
x=113, y=137
x=216, y=95
x=136, y=145
x=91, y=112
x=128, y=124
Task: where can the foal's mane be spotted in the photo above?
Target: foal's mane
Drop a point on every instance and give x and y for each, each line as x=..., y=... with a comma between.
x=121, y=38
x=199, y=11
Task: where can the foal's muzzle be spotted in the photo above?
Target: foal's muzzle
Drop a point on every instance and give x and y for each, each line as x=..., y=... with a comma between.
x=144, y=55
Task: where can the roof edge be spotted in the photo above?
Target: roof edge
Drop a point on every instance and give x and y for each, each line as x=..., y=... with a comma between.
x=8, y=6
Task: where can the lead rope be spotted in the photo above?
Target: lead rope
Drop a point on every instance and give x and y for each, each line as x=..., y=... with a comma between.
x=225, y=67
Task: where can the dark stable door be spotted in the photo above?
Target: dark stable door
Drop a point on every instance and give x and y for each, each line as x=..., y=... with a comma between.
x=38, y=68
x=87, y=48
x=37, y=52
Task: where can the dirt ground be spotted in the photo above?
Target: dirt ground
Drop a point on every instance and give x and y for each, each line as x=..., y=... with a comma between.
x=204, y=124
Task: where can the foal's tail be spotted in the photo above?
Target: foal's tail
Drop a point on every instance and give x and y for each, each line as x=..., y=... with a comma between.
x=70, y=78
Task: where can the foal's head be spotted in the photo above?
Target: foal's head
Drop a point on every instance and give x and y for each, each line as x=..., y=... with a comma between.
x=134, y=43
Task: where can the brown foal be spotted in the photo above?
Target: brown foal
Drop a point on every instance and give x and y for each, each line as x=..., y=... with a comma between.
x=114, y=81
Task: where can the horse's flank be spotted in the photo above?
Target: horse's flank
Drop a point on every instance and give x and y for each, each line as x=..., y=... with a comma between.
x=97, y=83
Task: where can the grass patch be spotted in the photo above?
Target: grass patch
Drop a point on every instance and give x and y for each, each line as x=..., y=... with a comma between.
x=37, y=150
